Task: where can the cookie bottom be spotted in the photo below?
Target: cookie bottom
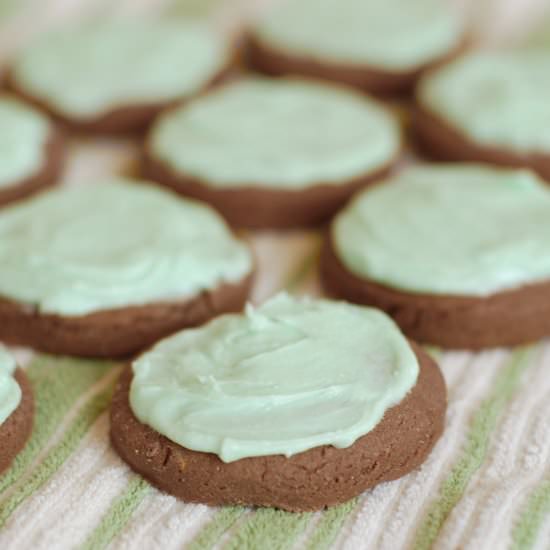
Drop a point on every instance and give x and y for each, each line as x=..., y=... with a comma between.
x=504, y=319
x=117, y=332
x=312, y=480
x=275, y=62
x=16, y=429
x=440, y=140
x=263, y=207
x=47, y=175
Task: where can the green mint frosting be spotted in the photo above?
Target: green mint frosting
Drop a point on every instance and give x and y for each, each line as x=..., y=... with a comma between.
x=498, y=99
x=282, y=378
x=23, y=136
x=113, y=244
x=395, y=35
x=458, y=229
x=10, y=392
x=87, y=71
x=277, y=133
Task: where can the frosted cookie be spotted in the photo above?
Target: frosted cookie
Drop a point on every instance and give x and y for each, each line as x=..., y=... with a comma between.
x=31, y=150
x=489, y=107
x=107, y=269
x=297, y=404
x=377, y=46
x=457, y=254
x=16, y=409
x=116, y=76
x=273, y=153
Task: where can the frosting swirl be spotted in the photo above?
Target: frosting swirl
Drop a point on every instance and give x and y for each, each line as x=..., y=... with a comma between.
x=286, y=377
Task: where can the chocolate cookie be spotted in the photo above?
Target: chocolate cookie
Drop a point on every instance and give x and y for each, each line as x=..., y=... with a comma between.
x=31, y=150
x=117, y=76
x=379, y=47
x=121, y=264
x=317, y=477
x=16, y=409
x=487, y=107
x=459, y=263
x=232, y=148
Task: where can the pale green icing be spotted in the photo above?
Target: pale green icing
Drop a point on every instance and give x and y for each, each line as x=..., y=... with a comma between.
x=10, y=392
x=286, y=377
x=397, y=35
x=87, y=71
x=278, y=133
x=498, y=99
x=23, y=135
x=450, y=229
x=114, y=244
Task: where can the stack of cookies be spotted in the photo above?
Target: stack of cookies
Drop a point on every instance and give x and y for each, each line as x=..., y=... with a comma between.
x=295, y=403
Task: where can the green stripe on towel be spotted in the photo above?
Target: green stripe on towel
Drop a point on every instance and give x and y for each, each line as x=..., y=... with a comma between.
x=59, y=453
x=118, y=515
x=214, y=529
x=57, y=385
x=330, y=525
x=531, y=519
x=478, y=438
x=269, y=528
x=304, y=270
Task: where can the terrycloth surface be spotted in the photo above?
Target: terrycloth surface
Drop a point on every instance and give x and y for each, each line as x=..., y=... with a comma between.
x=485, y=486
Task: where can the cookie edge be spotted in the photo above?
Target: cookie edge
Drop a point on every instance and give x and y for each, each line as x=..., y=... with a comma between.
x=16, y=430
x=507, y=318
x=118, y=332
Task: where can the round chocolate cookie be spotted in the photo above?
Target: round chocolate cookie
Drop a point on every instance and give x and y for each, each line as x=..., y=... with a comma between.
x=107, y=269
x=379, y=47
x=16, y=409
x=31, y=150
x=488, y=107
x=273, y=153
x=456, y=254
x=117, y=76
x=314, y=402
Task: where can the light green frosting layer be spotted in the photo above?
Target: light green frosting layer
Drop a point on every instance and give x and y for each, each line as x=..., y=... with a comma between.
x=23, y=136
x=498, y=99
x=10, y=392
x=396, y=35
x=286, y=377
x=449, y=229
x=85, y=72
x=114, y=244
x=277, y=133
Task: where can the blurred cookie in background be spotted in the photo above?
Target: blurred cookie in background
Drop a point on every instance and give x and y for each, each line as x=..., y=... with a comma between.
x=115, y=76
x=273, y=152
x=106, y=269
x=31, y=150
x=378, y=46
x=456, y=254
x=488, y=107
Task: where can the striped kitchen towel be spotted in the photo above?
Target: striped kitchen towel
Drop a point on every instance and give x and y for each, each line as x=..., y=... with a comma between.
x=485, y=486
